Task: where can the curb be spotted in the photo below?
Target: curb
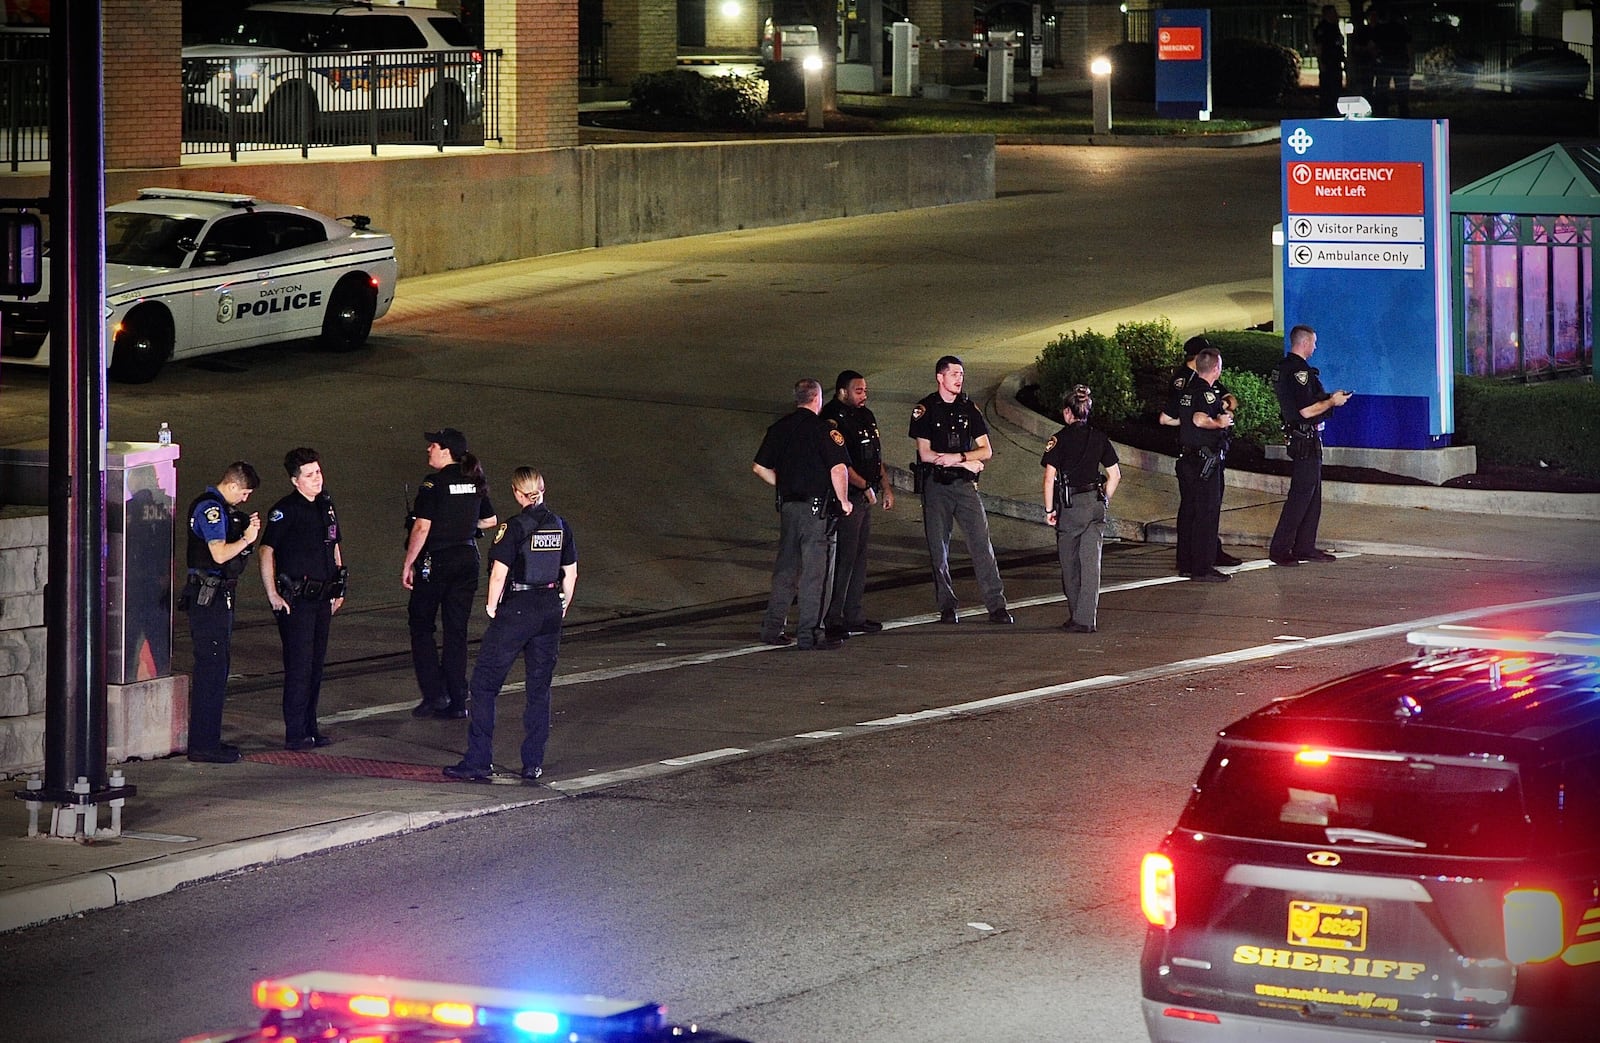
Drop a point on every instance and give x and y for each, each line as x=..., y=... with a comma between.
x=1237, y=139
x=105, y=888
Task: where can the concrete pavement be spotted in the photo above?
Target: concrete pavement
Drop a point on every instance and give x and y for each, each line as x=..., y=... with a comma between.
x=196, y=821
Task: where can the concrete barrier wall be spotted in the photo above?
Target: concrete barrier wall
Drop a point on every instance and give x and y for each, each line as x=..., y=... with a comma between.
x=461, y=209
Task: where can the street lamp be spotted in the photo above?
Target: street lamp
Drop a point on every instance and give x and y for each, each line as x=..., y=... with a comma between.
x=1100, y=68
x=813, y=68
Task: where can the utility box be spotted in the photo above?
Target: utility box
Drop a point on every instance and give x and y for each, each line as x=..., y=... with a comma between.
x=141, y=494
x=1002, y=68
x=905, y=68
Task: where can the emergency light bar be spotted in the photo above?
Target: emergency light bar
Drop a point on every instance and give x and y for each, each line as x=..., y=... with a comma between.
x=339, y=996
x=1556, y=642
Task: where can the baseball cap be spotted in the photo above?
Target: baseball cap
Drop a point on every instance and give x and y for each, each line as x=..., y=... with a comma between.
x=449, y=439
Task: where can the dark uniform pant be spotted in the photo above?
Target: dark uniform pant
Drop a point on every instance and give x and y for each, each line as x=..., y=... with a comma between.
x=211, y=628
x=304, y=633
x=1199, y=514
x=527, y=623
x=446, y=593
x=1080, y=530
x=1296, y=534
x=803, y=571
x=943, y=507
x=850, y=564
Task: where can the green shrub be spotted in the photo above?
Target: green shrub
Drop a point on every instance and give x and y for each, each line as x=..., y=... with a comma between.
x=719, y=101
x=1257, y=420
x=1447, y=68
x=1554, y=424
x=1150, y=345
x=1133, y=71
x=1254, y=73
x=1247, y=351
x=1087, y=358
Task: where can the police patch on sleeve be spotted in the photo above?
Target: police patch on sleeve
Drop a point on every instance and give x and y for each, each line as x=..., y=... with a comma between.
x=916, y=413
x=1211, y=396
x=838, y=439
x=500, y=532
x=427, y=483
x=1050, y=444
x=213, y=514
x=1302, y=377
x=276, y=515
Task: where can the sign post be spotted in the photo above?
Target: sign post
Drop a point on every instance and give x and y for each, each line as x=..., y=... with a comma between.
x=1366, y=207
x=1183, y=64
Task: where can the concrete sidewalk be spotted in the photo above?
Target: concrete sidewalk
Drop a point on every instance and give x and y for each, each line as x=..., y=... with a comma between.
x=195, y=821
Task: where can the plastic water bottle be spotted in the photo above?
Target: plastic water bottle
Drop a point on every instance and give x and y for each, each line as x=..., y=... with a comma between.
x=164, y=436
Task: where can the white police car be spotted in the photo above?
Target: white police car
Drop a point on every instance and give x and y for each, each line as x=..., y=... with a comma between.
x=346, y=1008
x=194, y=273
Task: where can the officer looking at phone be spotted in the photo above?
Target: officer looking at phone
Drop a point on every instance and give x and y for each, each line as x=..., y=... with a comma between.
x=1303, y=404
x=221, y=537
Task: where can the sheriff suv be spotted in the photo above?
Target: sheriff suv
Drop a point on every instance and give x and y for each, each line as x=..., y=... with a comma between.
x=313, y=71
x=1407, y=853
x=192, y=273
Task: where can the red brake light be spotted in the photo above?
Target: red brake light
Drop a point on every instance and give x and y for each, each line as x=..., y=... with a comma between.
x=1310, y=757
x=1191, y=1015
x=1157, y=892
x=271, y=995
x=1533, y=924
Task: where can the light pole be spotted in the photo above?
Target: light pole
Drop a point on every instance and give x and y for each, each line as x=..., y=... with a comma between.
x=813, y=68
x=1100, y=68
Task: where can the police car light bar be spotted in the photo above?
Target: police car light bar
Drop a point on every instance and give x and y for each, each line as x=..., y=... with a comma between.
x=337, y=996
x=1556, y=642
x=233, y=199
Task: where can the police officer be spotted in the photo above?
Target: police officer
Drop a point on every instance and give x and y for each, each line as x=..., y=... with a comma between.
x=1076, y=500
x=1301, y=403
x=302, y=567
x=848, y=413
x=220, y=541
x=805, y=460
x=533, y=573
x=441, y=570
x=1203, y=421
x=1169, y=418
x=952, y=445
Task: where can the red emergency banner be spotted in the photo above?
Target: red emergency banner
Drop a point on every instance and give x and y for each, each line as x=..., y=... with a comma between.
x=1355, y=188
x=1178, y=43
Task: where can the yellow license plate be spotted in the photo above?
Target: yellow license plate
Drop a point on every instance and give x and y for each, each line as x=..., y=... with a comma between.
x=1320, y=925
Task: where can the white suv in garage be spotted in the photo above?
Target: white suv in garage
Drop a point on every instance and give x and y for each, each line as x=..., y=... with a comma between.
x=298, y=71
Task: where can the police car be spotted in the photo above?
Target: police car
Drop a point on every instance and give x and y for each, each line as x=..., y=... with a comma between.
x=345, y=1008
x=301, y=70
x=194, y=273
x=1407, y=853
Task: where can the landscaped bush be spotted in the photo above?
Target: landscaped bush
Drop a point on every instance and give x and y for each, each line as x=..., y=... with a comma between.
x=1554, y=424
x=1247, y=351
x=1133, y=71
x=1087, y=358
x=1258, y=420
x=1447, y=68
x=716, y=101
x=1254, y=73
x=1153, y=353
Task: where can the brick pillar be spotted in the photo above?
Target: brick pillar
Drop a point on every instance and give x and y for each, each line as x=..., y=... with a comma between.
x=643, y=38
x=143, y=83
x=539, y=73
x=944, y=20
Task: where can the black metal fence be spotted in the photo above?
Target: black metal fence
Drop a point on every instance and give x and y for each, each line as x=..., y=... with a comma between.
x=236, y=104
x=239, y=104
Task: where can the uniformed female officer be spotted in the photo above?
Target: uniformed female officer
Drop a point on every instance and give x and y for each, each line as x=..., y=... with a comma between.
x=534, y=566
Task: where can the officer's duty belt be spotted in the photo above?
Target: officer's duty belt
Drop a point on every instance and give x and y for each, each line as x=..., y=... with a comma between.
x=1076, y=489
x=519, y=587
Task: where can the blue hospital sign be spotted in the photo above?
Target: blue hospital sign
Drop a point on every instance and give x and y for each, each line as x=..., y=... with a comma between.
x=1183, y=63
x=1366, y=207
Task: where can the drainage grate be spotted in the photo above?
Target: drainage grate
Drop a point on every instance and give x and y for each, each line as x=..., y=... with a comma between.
x=370, y=769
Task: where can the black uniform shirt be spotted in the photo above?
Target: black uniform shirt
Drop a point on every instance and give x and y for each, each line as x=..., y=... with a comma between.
x=1176, y=388
x=1200, y=397
x=302, y=534
x=534, y=545
x=861, y=440
x=1077, y=452
x=1297, y=386
x=803, y=449
x=452, y=503
x=949, y=427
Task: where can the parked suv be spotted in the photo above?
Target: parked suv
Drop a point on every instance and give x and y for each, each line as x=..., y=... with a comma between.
x=299, y=69
x=1411, y=852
